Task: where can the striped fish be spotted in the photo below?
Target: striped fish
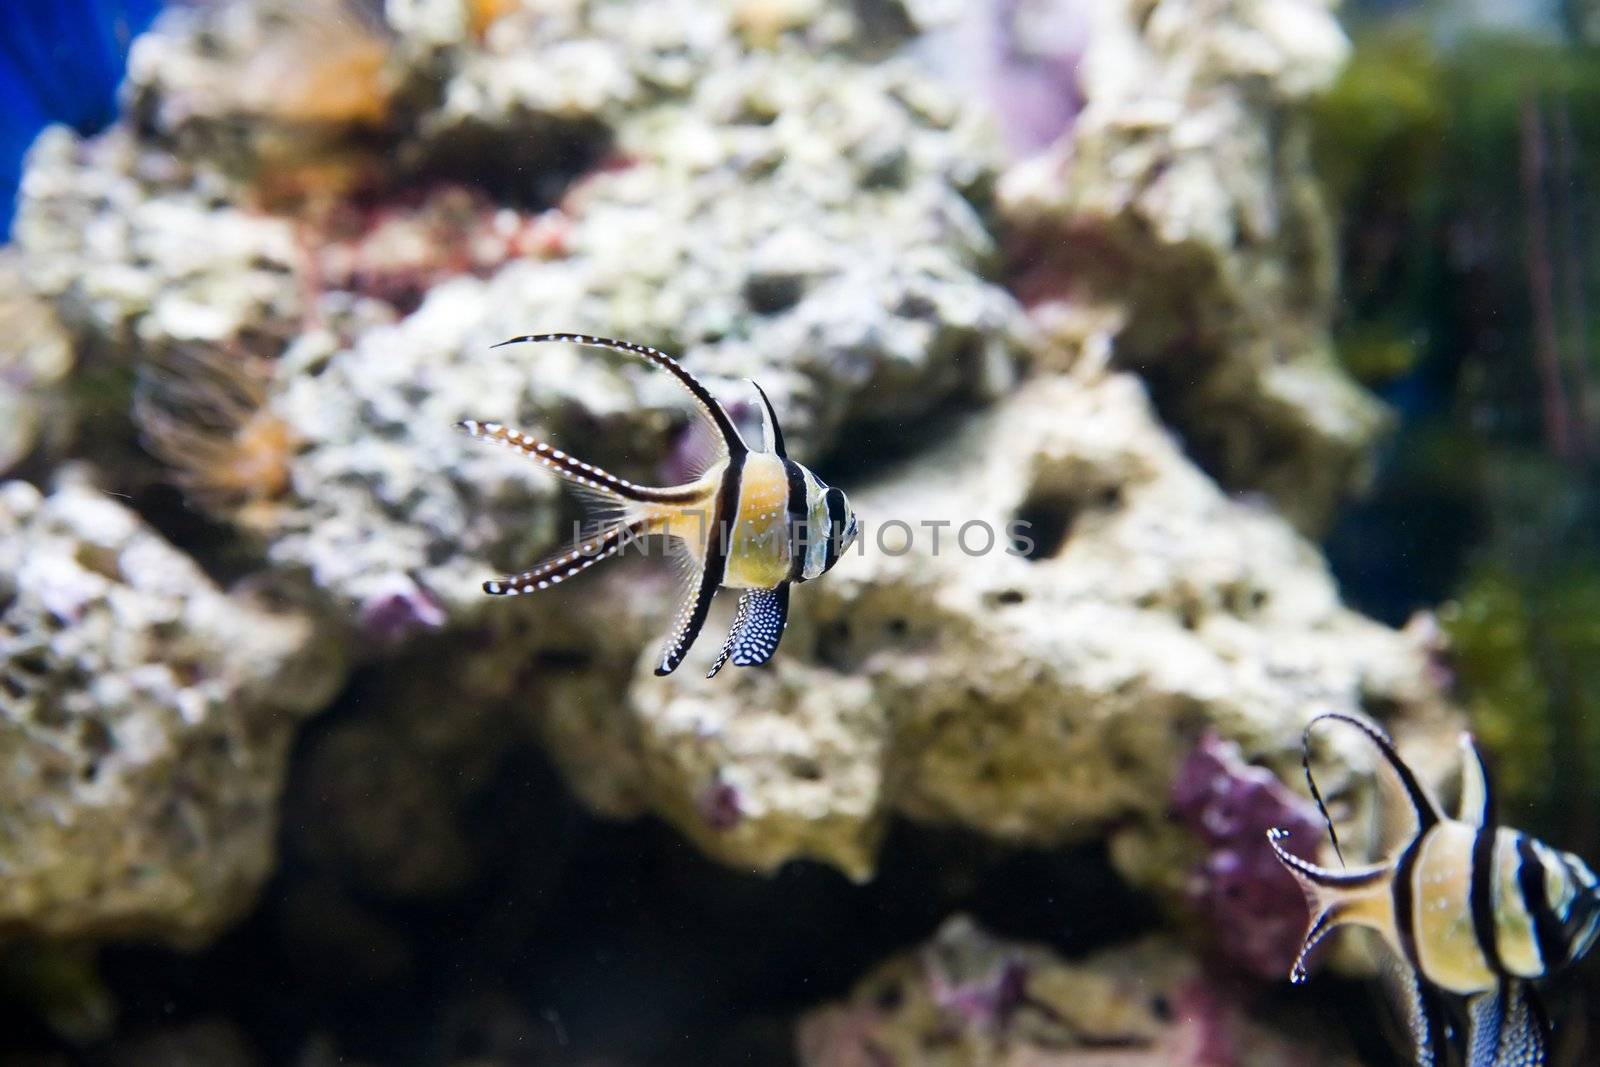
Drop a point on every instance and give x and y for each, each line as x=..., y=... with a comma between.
x=753, y=520
x=1472, y=909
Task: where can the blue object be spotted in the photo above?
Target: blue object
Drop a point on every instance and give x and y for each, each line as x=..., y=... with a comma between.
x=60, y=61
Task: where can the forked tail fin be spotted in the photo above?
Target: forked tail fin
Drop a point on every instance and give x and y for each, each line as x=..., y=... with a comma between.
x=568, y=563
x=591, y=483
x=1333, y=898
x=611, y=520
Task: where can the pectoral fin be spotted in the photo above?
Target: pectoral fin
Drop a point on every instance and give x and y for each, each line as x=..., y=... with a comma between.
x=1508, y=1028
x=757, y=628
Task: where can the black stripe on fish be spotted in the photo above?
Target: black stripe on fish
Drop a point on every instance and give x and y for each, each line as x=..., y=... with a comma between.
x=799, y=527
x=1480, y=891
x=1480, y=898
x=836, y=520
x=1546, y=925
x=718, y=538
x=702, y=395
x=1403, y=893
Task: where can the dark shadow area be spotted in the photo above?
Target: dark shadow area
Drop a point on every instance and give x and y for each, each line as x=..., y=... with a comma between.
x=870, y=449
x=587, y=940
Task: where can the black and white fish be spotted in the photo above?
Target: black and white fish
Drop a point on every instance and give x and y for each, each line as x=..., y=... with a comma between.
x=752, y=520
x=1470, y=907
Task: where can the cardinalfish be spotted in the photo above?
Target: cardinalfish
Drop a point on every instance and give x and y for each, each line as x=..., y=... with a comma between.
x=1471, y=908
x=752, y=520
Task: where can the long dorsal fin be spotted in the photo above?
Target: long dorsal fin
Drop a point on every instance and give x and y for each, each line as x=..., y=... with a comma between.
x=702, y=396
x=769, y=422
x=1424, y=810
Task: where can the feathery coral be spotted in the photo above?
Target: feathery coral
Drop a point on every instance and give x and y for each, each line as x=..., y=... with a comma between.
x=204, y=415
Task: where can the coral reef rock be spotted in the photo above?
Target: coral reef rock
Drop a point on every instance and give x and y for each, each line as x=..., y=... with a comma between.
x=145, y=718
x=731, y=183
x=142, y=253
x=969, y=999
x=764, y=211
x=1043, y=696
x=1185, y=188
x=35, y=361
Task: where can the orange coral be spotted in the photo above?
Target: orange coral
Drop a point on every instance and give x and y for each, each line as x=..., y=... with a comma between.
x=310, y=87
x=481, y=14
x=346, y=86
x=326, y=65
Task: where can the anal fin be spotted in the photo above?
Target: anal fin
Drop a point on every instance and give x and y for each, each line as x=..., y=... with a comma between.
x=757, y=628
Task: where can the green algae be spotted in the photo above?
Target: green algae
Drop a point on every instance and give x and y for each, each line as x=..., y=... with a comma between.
x=1526, y=652
x=1379, y=128
x=1445, y=166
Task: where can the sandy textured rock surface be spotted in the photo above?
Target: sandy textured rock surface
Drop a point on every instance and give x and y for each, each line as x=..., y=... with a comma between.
x=35, y=362
x=1185, y=188
x=967, y=997
x=145, y=718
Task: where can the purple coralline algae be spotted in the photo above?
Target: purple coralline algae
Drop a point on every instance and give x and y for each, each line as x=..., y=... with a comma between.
x=1256, y=909
x=400, y=608
x=986, y=1002
x=1034, y=48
